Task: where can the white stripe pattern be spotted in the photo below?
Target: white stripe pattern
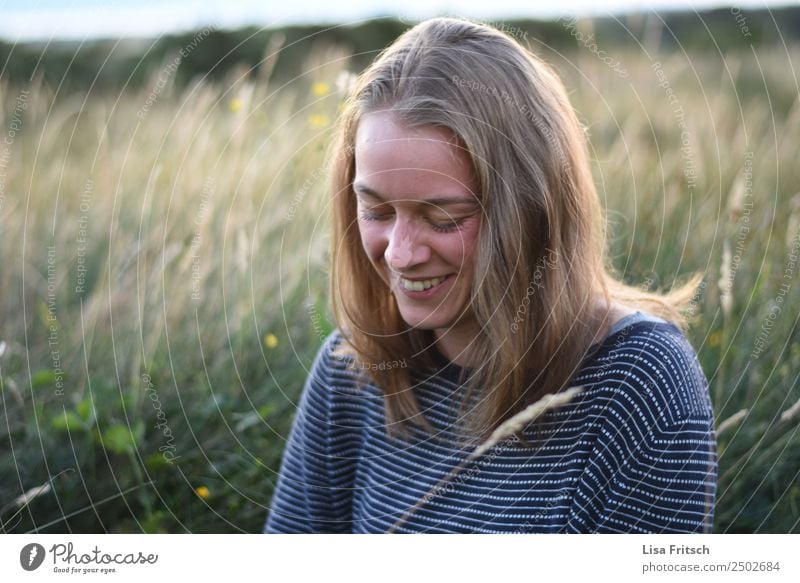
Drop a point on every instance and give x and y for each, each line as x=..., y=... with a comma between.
x=635, y=452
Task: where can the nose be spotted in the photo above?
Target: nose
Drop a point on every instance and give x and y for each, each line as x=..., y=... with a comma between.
x=406, y=247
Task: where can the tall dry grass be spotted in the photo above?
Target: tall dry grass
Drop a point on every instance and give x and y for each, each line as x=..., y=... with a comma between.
x=201, y=225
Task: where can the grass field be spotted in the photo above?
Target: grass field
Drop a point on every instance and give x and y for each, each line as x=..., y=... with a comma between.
x=163, y=277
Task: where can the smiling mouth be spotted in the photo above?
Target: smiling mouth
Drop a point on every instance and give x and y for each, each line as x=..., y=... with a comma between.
x=422, y=284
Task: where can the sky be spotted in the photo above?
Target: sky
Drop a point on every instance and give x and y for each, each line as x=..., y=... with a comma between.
x=22, y=20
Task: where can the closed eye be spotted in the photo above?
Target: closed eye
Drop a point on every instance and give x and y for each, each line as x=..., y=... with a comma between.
x=448, y=226
x=372, y=216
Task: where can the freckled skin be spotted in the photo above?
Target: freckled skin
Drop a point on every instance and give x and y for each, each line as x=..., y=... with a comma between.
x=408, y=168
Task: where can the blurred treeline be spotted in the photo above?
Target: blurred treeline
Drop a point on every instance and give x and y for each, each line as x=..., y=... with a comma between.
x=115, y=64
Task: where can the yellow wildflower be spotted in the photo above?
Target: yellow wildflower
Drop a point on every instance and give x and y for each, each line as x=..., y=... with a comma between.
x=235, y=104
x=48, y=317
x=715, y=339
x=203, y=492
x=318, y=120
x=270, y=341
x=319, y=89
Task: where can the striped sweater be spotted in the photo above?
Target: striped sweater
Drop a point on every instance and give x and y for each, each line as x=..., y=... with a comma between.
x=635, y=452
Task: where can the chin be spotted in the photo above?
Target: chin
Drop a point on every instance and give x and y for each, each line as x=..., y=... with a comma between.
x=423, y=322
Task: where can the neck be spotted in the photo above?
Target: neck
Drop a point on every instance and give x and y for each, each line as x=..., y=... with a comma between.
x=453, y=343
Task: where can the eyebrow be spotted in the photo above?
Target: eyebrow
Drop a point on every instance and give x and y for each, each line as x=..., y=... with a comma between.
x=437, y=201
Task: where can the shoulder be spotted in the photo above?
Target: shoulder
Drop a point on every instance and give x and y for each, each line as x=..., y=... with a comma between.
x=650, y=368
x=334, y=370
x=334, y=354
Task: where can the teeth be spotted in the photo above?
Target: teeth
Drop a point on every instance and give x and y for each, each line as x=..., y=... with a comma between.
x=421, y=285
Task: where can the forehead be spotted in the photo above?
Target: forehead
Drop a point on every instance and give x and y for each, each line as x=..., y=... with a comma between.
x=420, y=162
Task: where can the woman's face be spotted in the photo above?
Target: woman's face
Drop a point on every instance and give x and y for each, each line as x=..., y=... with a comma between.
x=418, y=218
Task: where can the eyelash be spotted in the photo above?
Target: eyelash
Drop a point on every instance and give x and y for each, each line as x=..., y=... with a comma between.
x=448, y=227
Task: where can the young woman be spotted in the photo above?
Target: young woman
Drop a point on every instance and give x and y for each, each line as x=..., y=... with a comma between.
x=469, y=279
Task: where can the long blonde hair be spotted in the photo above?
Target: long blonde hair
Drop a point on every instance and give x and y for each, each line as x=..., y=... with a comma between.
x=541, y=262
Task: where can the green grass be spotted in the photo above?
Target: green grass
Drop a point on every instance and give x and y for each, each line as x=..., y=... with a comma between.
x=205, y=231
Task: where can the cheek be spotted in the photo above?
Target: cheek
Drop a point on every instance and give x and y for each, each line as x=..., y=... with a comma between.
x=372, y=240
x=458, y=248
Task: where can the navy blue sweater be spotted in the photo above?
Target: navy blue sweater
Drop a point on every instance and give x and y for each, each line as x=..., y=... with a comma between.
x=634, y=452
